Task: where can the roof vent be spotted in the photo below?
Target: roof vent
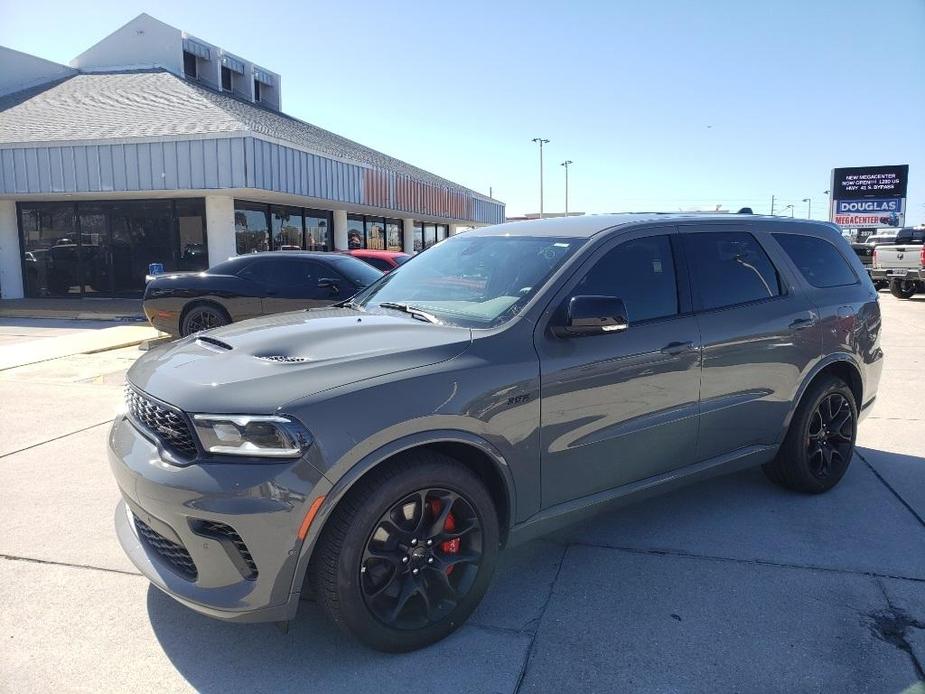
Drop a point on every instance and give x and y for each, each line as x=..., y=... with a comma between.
x=280, y=358
x=212, y=343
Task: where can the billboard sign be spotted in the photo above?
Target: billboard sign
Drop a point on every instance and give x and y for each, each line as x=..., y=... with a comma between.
x=869, y=197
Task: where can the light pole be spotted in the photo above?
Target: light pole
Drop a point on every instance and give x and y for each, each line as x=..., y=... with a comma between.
x=789, y=207
x=566, y=165
x=542, y=142
x=809, y=207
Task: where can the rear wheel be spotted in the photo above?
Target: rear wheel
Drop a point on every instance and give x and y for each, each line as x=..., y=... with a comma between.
x=203, y=317
x=820, y=442
x=407, y=556
x=903, y=289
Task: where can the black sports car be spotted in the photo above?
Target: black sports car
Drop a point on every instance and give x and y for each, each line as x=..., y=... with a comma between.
x=252, y=285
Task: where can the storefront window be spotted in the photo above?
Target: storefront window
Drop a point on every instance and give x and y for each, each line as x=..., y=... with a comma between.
x=191, y=225
x=418, y=237
x=286, y=223
x=393, y=235
x=356, y=233
x=317, y=230
x=252, y=233
x=430, y=235
x=50, y=250
x=375, y=233
x=442, y=231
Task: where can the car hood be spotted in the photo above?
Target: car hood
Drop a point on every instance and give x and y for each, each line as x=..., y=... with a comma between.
x=258, y=365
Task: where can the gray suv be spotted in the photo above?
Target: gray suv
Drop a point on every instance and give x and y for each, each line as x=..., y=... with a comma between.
x=379, y=453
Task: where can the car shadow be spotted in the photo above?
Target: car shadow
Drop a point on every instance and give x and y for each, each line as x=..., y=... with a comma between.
x=738, y=517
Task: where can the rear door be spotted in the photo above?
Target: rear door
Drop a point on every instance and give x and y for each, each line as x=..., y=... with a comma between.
x=622, y=406
x=760, y=335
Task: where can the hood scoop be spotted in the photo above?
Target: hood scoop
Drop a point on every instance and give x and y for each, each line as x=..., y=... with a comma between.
x=213, y=344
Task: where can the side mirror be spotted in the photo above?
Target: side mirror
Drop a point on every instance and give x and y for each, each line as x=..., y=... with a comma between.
x=327, y=283
x=592, y=315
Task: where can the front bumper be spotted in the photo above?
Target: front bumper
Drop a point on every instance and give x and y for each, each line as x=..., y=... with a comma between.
x=180, y=506
x=913, y=275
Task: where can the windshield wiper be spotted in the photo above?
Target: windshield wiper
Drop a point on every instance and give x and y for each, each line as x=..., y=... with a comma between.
x=411, y=310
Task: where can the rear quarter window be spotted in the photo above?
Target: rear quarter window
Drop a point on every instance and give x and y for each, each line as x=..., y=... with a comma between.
x=818, y=261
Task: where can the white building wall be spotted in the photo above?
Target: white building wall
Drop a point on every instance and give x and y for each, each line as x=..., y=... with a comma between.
x=220, y=234
x=11, y=286
x=408, y=235
x=340, y=230
x=142, y=43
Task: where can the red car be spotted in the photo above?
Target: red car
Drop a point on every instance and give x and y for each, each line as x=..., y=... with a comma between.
x=381, y=260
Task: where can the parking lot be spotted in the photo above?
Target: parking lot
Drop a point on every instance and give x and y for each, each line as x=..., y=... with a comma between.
x=729, y=585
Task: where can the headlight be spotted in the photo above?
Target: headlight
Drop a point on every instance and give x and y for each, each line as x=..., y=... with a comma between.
x=251, y=435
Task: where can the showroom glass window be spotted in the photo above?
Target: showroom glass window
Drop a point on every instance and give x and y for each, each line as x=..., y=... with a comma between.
x=393, y=235
x=50, y=254
x=375, y=233
x=442, y=232
x=356, y=231
x=430, y=235
x=286, y=226
x=729, y=268
x=418, y=237
x=641, y=273
x=818, y=261
x=251, y=228
x=191, y=229
x=318, y=230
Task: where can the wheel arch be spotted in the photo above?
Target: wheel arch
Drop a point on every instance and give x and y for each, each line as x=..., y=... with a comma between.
x=839, y=365
x=472, y=451
x=202, y=301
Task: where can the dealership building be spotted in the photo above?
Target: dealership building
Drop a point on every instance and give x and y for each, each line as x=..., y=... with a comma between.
x=154, y=146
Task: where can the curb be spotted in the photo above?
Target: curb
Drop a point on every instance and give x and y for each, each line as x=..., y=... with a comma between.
x=70, y=315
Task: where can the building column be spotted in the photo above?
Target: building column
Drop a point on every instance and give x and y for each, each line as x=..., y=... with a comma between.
x=340, y=230
x=220, y=234
x=407, y=235
x=454, y=229
x=10, y=254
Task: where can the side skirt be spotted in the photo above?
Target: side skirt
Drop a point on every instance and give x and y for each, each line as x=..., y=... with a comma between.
x=569, y=512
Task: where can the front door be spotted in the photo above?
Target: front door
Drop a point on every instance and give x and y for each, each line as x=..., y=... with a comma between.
x=622, y=406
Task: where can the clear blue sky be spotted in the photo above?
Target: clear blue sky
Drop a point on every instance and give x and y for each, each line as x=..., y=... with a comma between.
x=661, y=105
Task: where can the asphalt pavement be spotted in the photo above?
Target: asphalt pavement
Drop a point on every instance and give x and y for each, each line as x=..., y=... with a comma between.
x=729, y=585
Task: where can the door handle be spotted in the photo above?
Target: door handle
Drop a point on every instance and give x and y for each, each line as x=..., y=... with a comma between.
x=803, y=323
x=675, y=348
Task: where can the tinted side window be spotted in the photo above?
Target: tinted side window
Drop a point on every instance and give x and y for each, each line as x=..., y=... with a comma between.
x=818, y=261
x=729, y=268
x=288, y=276
x=378, y=263
x=641, y=272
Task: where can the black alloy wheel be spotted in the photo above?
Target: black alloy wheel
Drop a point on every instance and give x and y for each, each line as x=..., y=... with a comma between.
x=830, y=438
x=421, y=558
x=903, y=289
x=201, y=318
x=819, y=443
x=408, y=553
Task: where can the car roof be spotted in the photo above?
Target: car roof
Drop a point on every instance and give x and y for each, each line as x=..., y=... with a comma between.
x=316, y=255
x=373, y=253
x=586, y=226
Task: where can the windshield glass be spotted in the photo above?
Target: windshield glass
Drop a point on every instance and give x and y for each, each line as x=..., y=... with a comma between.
x=473, y=281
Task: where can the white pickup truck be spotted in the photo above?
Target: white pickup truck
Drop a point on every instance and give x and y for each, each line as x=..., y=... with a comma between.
x=902, y=263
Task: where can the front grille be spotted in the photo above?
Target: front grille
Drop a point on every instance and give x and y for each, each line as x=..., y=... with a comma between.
x=226, y=534
x=172, y=553
x=170, y=426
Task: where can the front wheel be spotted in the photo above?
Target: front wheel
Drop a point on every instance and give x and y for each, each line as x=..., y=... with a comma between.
x=903, y=289
x=819, y=444
x=408, y=554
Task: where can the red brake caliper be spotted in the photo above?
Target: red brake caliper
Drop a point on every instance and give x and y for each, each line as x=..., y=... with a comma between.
x=449, y=525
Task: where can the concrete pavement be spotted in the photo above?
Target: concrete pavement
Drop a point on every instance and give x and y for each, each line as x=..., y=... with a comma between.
x=729, y=585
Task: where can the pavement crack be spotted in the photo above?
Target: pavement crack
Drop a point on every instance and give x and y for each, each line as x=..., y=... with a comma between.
x=56, y=438
x=892, y=626
x=752, y=562
x=539, y=618
x=892, y=491
x=88, y=567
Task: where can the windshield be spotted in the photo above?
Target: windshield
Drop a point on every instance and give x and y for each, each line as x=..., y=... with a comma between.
x=473, y=281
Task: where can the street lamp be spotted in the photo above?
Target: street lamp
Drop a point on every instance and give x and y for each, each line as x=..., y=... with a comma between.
x=789, y=207
x=809, y=207
x=566, y=165
x=542, y=142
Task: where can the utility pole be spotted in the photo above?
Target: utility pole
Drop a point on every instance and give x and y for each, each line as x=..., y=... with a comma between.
x=772, y=205
x=542, y=142
x=566, y=165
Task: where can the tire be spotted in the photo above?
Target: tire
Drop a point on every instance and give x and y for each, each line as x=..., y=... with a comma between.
x=903, y=289
x=364, y=564
x=881, y=284
x=825, y=420
x=203, y=317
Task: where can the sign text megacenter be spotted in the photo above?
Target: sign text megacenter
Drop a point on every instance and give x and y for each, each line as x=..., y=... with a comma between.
x=869, y=197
